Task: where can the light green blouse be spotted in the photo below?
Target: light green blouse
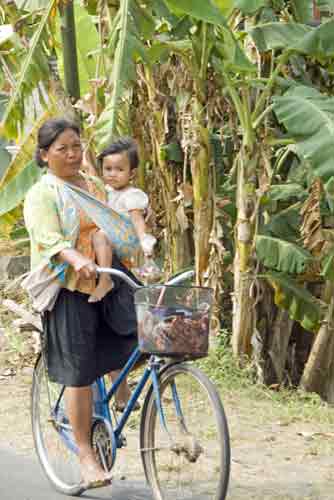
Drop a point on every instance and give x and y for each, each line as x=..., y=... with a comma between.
x=44, y=225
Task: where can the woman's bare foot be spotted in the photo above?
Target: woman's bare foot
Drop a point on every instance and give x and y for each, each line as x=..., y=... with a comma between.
x=104, y=286
x=92, y=473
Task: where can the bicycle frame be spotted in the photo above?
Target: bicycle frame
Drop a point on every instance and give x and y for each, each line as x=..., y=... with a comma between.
x=102, y=397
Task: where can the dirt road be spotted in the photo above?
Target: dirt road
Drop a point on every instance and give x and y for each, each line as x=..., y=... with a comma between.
x=275, y=456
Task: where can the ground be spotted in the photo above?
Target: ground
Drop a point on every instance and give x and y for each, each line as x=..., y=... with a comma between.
x=282, y=441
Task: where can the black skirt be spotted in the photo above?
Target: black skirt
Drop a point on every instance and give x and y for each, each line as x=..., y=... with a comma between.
x=86, y=340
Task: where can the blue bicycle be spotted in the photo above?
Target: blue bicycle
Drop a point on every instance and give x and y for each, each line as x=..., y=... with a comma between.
x=183, y=433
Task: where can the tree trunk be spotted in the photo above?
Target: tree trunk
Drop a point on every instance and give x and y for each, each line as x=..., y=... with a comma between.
x=68, y=34
x=203, y=201
x=318, y=374
x=243, y=305
x=281, y=333
x=178, y=251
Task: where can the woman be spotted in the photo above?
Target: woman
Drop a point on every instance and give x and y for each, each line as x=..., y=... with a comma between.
x=84, y=340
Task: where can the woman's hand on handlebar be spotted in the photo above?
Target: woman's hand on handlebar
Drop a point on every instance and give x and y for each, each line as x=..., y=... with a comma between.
x=87, y=270
x=85, y=267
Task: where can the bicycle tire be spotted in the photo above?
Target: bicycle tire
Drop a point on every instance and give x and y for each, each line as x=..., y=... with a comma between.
x=202, y=479
x=59, y=463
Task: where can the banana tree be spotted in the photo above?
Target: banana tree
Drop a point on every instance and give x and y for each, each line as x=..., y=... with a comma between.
x=291, y=267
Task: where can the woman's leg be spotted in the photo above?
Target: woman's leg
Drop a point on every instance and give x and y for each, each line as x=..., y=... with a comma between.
x=79, y=409
x=123, y=392
x=103, y=257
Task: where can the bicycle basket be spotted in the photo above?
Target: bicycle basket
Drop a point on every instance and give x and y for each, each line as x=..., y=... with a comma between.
x=174, y=320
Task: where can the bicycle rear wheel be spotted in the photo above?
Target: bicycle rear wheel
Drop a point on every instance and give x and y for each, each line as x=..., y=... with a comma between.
x=195, y=463
x=59, y=462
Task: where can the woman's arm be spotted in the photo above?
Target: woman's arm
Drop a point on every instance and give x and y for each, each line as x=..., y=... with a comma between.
x=85, y=267
x=42, y=221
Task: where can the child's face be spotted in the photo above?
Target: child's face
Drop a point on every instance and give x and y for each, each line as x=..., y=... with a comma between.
x=116, y=170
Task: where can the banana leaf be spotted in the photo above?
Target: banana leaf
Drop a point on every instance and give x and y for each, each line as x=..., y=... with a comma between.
x=4, y=155
x=26, y=150
x=301, y=305
x=250, y=6
x=284, y=225
x=327, y=266
x=225, y=6
x=280, y=35
x=325, y=4
x=233, y=58
x=127, y=49
x=31, y=5
x=9, y=220
x=14, y=192
x=329, y=194
x=308, y=117
x=315, y=42
x=286, y=191
x=303, y=10
x=87, y=43
x=282, y=255
x=4, y=158
x=203, y=11
x=31, y=74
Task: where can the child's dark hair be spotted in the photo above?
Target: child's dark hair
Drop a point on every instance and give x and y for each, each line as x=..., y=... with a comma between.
x=122, y=145
x=48, y=133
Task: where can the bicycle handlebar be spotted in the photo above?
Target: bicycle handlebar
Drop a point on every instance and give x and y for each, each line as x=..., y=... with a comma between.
x=120, y=274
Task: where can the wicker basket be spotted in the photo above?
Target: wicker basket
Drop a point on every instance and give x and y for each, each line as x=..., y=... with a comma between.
x=174, y=320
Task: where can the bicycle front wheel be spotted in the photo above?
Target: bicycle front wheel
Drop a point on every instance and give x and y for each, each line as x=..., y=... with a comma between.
x=52, y=434
x=192, y=459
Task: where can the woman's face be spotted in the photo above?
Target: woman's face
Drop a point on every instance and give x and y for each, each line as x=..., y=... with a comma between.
x=64, y=156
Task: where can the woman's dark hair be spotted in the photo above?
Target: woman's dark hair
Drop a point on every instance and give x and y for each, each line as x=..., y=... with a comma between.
x=48, y=133
x=122, y=145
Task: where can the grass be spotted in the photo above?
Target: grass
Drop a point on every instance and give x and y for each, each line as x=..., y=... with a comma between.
x=286, y=404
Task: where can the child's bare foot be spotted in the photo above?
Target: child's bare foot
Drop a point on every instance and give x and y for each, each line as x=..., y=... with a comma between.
x=104, y=286
x=93, y=476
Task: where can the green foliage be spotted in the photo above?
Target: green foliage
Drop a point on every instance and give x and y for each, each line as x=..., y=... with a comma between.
x=87, y=44
x=301, y=305
x=286, y=191
x=32, y=5
x=203, y=11
x=232, y=58
x=327, y=266
x=282, y=255
x=315, y=42
x=172, y=152
x=33, y=70
x=303, y=10
x=127, y=48
x=307, y=106
x=4, y=155
x=217, y=152
x=284, y=224
x=14, y=192
x=329, y=194
x=4, y=158
x=250, y=6
x=280, y=35
x=325, y=5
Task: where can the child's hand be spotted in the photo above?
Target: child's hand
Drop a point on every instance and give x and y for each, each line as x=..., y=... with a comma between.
x=147, y=242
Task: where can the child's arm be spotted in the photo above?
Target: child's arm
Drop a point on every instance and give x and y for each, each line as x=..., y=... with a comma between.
x=147, y=241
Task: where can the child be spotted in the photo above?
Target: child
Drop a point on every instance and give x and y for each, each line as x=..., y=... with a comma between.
x=119, y=164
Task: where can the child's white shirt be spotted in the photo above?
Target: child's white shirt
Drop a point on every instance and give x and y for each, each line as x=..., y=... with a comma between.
x=128, y=198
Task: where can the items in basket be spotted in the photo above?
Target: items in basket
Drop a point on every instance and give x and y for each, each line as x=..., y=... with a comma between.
x=174, y=331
